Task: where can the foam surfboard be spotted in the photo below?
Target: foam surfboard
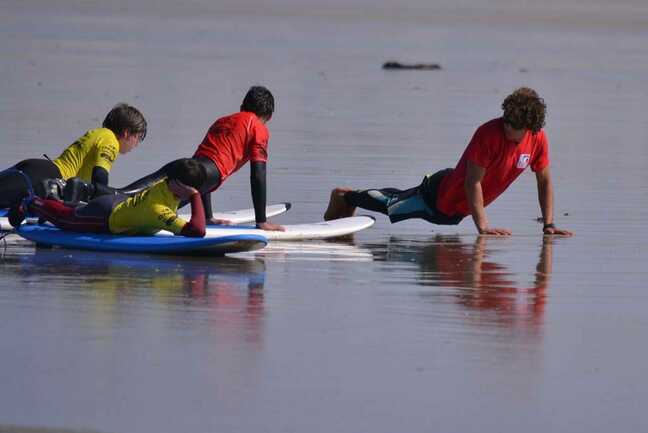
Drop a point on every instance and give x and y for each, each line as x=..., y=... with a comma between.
x=47, y=235
x=245, y=215
x=295, y=232
x=236, y=217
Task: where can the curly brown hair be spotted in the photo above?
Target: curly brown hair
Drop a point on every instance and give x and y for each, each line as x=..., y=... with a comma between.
x=524, y=109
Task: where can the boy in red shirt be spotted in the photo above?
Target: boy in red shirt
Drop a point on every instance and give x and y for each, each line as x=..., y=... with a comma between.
x=498, y=153
x=229, y=143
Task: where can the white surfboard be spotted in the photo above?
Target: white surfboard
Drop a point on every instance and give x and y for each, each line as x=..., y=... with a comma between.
x=296, y=232
x=242, y=216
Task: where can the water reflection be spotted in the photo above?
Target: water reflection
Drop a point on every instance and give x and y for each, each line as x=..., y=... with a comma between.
x=469, y=274
x=228, y=292
x=342, y=249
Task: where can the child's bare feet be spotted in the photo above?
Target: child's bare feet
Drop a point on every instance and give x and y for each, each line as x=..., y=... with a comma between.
x=220, y=222
x=338, y=207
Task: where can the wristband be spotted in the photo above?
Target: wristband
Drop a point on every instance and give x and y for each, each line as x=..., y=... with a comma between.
x=549, y=226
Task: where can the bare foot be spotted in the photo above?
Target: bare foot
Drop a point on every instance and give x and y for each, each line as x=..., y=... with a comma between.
x=271, y=227
x=338, y=207
x=220, y=222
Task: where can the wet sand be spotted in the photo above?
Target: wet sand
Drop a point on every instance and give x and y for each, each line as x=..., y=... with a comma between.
x=408, y=327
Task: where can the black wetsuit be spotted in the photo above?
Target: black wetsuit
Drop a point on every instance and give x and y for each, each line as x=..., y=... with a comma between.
x=13, y=185
x=399, y=205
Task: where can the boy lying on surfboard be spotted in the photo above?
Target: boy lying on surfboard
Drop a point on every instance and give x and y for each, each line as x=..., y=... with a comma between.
x=89, y=158
x=144, y=213
x=230, y=142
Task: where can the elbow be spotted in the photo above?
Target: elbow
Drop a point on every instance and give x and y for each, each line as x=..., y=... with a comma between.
x=197, y=232
x=470, y=185
x=193, y=232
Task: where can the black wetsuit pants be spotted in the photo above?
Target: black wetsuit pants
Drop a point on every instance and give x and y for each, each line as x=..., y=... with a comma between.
x=13, y=185
x=399, y=205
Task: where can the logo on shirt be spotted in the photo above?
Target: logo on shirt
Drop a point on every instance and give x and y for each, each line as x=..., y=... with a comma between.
x=167, y=217
x=523, y=162
x=110, y=157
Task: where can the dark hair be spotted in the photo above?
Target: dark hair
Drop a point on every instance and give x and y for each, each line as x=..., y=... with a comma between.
x=524, y=109
x=124, y=117
x=188, y=171
x=259, y=101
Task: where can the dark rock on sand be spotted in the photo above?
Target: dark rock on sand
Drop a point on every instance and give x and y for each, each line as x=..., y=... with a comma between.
x=412, y=66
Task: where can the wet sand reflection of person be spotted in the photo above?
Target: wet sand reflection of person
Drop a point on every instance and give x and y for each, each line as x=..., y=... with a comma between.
x=480, y=283
x=230, y=288
x=491, y=288
x=237, y=303
x=183, y=322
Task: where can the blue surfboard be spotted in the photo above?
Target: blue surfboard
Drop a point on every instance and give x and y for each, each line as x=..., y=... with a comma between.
x=236, y=216
x=46, y=235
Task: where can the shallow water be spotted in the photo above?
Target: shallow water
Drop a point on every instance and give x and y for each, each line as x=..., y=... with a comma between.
x=407, y=327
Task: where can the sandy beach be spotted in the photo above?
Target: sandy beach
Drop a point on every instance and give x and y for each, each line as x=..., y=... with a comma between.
x=408, y=327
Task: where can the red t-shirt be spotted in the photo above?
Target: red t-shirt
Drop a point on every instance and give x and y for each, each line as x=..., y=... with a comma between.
x=503, y=160
x=234, y=140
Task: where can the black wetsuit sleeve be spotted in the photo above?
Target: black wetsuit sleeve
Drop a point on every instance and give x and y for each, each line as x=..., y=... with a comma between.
x=207, y=205
x=258, y=185
x=99, y=184
x=99, y=176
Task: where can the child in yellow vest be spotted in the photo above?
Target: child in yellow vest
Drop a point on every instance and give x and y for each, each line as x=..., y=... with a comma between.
x=89, y=158
x=144, y=213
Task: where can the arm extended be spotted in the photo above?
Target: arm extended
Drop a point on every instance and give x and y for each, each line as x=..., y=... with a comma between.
x=475, y=196
x=545, y=199
x=258, y=186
